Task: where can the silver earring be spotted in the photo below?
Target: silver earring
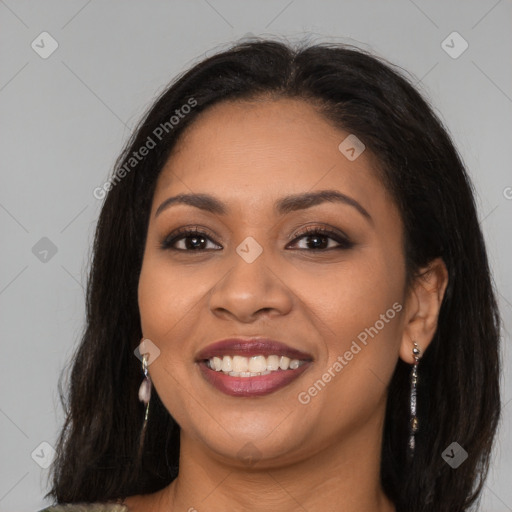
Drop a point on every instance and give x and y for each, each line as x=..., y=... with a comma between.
x=414, y=424
x=144, y=396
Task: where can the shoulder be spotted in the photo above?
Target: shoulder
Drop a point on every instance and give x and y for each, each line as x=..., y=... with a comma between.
x=86, y=507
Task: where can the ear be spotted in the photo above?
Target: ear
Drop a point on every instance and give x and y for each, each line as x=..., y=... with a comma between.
x=422, y=308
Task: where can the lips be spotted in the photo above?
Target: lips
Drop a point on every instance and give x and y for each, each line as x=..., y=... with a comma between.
x=232, y=383
x=251, y=347
x=251, y=386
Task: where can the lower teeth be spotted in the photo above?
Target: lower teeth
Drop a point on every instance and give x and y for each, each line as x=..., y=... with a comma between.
x=249, y=374
x=246, y=374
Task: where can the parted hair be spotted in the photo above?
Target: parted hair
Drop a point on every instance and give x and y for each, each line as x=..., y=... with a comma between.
x=458, y=386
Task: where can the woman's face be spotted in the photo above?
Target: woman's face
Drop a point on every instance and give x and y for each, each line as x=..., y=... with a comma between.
x=254, y=273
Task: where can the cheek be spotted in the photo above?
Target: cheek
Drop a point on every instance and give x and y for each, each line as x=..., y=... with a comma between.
x=154, y=302
x=166, y=295
x=357, y=313
x=347, y=298
x=163, y=304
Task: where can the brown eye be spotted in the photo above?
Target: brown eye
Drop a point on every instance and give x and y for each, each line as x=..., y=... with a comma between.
x=194, y=240
x=318, y=239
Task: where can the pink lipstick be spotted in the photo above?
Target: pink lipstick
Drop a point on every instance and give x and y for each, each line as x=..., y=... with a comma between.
x=251, y=367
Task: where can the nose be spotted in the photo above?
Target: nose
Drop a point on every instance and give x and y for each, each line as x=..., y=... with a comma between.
x=249, y=290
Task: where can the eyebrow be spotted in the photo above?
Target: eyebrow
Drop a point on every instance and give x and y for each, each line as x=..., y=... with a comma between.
x=283, y=206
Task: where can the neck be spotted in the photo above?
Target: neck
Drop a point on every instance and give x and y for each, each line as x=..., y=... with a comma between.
x=345, y=476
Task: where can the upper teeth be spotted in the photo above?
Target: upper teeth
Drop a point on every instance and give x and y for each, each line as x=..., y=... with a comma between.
x=241, y=366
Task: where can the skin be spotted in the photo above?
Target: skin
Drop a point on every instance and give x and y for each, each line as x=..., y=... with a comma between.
x=323, y=455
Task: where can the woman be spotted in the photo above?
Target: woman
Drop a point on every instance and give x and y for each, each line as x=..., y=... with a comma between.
x=290, y=305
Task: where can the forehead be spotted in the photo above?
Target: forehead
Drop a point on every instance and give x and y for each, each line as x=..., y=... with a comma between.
x=250, y=150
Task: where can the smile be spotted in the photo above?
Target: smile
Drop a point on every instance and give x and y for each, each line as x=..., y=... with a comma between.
x=239, y=366
x=251, y=376
x=251, y=366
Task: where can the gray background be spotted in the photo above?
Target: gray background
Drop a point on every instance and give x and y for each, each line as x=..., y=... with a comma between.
x=64, y=119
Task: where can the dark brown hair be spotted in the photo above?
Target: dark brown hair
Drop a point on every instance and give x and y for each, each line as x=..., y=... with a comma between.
x=458, y=393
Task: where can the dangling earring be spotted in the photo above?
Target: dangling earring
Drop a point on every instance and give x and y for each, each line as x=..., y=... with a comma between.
x=414, y=419
x=144, y=396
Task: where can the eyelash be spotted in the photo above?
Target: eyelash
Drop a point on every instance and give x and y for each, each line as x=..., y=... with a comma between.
x=183, y=233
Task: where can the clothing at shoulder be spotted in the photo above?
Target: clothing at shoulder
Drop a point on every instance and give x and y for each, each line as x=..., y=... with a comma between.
x=86, y=507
